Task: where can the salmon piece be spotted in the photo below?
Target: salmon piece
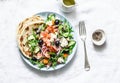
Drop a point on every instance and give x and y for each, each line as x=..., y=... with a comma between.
x=47, y=42
x=45, y=39
x=39, y=55
x=45, y=34
x=52, y=49
x=57, y=48
x=47, y=55
x=51, y=29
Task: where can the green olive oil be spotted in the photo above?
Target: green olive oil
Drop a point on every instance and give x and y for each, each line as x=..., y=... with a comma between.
x=69, y=2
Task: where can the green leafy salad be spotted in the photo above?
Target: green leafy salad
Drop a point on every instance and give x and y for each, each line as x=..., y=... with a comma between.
x=51, y=43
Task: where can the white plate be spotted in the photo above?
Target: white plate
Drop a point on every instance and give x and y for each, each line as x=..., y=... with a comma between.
x=44, y=15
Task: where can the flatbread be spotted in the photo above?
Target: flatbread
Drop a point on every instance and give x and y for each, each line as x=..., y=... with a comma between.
x=25, y=29
x=27, y=22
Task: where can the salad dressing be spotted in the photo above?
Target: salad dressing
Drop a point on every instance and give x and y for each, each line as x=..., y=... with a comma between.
x=69, y=2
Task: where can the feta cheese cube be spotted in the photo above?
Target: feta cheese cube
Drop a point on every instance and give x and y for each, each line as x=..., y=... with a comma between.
x=63, y=42
x=60, y=60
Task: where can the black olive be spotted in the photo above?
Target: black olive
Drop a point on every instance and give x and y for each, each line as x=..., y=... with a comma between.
x=40, y=42
x=56, y=27
x=35, y=29
x=57, y=43
x=57, y=22
x=34, y=59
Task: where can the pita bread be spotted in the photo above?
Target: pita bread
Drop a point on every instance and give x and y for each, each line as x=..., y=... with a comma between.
x=24, y=30
x=27, y=22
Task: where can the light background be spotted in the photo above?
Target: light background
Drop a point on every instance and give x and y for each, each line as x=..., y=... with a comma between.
x=104, y=61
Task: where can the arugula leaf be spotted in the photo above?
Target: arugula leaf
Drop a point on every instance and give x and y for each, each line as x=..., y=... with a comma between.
x=40, y=65
x=65, y=30
x=33, y=42
x=31, y=37
x=53, y=59
x=51, y=17
x=65, y=59
x=42, y=27
x=54, y=64
x=52, y=54
x=71, y=48
x=33, y=62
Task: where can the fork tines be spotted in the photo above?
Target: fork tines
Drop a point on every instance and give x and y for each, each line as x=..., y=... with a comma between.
x=82, y=29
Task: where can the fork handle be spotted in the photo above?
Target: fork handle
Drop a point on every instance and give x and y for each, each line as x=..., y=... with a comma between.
x=87, y=65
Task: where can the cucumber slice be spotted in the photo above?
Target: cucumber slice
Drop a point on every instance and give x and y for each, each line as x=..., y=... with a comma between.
x=36, y=49
x=31, y=37
x=66, y=34
x=72, y=42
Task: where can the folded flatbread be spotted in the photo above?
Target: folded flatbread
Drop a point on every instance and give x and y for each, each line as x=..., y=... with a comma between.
x=24, y=30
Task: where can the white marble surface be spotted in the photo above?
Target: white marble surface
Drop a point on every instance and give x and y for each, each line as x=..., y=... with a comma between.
x=105, y=63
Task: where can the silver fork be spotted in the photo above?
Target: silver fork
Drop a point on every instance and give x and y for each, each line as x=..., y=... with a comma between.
x=82, y=33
